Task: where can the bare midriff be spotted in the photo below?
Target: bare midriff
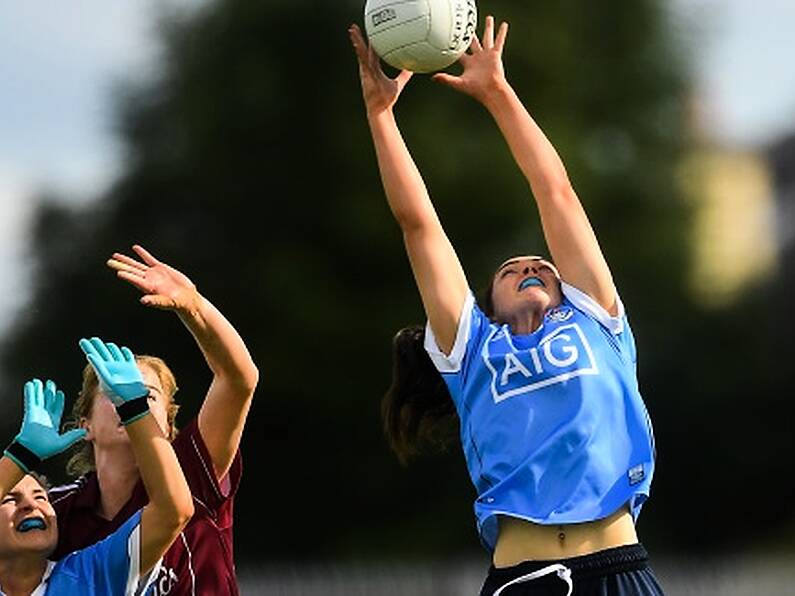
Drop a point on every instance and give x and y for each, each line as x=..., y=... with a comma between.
x=520, y=540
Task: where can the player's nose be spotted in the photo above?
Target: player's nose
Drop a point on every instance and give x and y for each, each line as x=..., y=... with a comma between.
x=26, y=503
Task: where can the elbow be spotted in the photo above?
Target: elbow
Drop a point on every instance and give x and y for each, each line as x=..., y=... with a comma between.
x=183, y=512
x=247, y=380
x=241, y=381
x=559, y=192
x=186, y=513
x=413, y=220
x=407, y=223
x=252, y=377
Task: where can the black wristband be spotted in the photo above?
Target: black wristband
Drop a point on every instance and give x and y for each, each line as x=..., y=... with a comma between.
x=23, y=456
x=132, y=410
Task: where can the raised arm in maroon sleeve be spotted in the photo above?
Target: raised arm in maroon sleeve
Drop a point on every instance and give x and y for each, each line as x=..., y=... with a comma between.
x=201, y=560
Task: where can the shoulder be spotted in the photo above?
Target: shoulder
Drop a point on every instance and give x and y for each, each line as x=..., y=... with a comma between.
x=589, y=307
x=471, y=325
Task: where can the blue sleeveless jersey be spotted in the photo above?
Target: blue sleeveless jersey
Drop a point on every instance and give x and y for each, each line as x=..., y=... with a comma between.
x=553, y=427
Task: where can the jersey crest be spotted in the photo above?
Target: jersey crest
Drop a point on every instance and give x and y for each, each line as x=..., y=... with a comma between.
x=560, y=314
x=562, y=354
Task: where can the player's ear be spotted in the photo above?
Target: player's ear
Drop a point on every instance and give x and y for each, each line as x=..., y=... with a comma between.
x=85, y=424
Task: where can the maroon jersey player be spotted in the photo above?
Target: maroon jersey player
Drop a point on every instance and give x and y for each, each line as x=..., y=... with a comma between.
x=110, y=490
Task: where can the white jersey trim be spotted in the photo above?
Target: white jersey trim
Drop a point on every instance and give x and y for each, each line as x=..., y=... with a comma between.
x=190, y=564
x=595, y=310
x=451, y=363
x=136, y=583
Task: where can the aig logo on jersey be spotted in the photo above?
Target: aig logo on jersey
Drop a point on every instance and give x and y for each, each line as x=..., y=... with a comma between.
x=563, y=354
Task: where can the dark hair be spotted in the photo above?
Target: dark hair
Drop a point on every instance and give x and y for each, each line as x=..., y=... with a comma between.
x=417, y=410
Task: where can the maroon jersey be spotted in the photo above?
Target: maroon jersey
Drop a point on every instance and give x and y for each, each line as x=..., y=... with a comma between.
x=200, y=561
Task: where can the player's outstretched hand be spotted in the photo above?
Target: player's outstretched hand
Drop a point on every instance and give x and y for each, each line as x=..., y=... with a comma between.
x=483, y=69
x=163, y=286
x=379, y=91
x=39, y=436
x=118, y=373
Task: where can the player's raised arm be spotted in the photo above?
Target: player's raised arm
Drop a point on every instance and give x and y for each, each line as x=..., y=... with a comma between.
x=571, y=240
x=437, y=270
x=39, y=436
x=170, y=504
x=223, y=413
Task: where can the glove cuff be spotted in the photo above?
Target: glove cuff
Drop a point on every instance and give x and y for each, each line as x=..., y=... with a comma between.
x=22, y=456
x=132, y=410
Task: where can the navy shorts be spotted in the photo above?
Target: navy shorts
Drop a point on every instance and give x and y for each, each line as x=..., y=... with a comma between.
x=620, y=571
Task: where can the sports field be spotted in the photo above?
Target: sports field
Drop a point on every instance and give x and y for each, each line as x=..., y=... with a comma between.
x=727, y=576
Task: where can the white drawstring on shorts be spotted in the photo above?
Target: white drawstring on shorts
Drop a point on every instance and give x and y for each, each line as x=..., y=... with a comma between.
x=563, y=572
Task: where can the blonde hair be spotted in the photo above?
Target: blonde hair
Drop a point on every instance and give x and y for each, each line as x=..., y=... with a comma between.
x=82, y=460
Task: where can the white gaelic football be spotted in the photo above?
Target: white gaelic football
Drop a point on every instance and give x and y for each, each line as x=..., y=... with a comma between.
x=420, y=35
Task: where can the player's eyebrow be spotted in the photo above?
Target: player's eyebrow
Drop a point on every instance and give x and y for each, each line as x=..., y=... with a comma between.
x=17, y=493
x=507, y=264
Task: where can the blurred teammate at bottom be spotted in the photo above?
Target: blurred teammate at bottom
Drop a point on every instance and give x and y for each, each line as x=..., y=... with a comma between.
x=125, y=562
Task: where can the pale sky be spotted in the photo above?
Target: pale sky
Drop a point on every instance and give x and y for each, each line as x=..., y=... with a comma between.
x=745, y=66
x=59, y=62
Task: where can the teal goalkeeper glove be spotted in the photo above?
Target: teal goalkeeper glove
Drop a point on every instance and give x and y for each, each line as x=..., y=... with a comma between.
x=38, y=438
x=119, y=376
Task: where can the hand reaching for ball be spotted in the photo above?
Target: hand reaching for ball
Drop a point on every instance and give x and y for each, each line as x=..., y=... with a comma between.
x=380, y=92
x=483, y=69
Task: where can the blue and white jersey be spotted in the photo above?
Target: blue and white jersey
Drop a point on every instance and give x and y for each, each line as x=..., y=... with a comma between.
x=553, y=426
x=108, y=568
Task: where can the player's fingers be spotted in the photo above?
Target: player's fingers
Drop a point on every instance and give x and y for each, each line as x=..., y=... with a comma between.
x=127, y=353
x=57, y=407
x=38, y=393
x=29, y=391
x=115, y=352
x=49, y=393
x=502, y=33
x=447, y=79
x=29, y=398
x=357, y=41
x=135, y=279
x=121, y=266
x=373, y=61
x=475, y=46
x=488, y=33
x=134, y=263
x=145, y=255
x=101, y=349
x=71, y=436
x=87, y=347
x=99, y=366
x=403, y=78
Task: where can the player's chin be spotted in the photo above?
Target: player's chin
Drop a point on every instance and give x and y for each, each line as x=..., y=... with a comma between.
x=38, y=541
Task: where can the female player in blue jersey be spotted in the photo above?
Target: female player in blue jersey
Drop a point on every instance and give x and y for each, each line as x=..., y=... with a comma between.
x=126, y=561
x=541, y=374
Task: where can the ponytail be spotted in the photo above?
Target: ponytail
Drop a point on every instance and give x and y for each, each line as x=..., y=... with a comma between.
x=417, y=410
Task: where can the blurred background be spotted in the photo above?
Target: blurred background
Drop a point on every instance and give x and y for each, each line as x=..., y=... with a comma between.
x=229, y=138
